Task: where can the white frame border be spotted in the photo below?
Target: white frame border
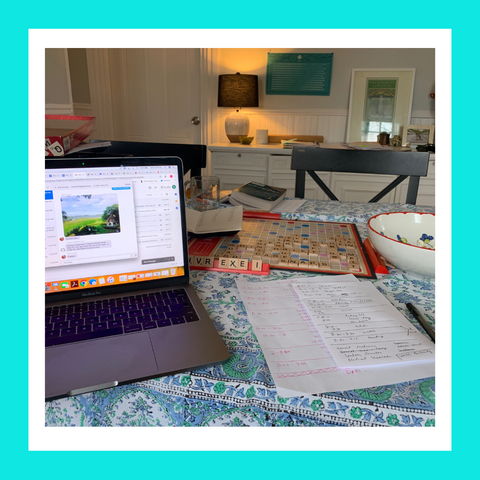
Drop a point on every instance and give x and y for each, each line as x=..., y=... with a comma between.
x=352, y=85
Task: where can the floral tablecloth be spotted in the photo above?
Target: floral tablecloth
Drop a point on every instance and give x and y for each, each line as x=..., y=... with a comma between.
x=241, y=392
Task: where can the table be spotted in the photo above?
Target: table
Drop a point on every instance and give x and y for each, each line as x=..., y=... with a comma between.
x=241, y=392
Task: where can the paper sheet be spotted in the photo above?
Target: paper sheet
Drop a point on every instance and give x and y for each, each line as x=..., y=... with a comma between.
x=299, y=361
x=360, y=326
x=213, y=221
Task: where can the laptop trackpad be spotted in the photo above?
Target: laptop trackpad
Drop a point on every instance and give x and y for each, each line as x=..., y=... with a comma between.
x=98, y=362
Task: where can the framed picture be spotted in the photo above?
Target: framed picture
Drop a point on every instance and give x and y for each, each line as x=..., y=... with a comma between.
x=417, y=134
x=380, y=101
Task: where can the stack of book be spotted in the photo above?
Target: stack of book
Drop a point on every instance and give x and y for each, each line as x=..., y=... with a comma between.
x=257, y=196
x=294, y=142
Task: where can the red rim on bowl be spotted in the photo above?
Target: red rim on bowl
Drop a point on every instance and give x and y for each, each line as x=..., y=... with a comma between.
x=396, y=213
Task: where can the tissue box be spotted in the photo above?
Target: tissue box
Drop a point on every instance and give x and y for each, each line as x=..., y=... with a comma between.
x=64, y=132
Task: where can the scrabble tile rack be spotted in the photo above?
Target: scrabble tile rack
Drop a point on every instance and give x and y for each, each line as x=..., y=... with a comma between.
x=297, y=245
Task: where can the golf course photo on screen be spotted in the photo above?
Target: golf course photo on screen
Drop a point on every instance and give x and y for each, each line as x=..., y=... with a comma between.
x=90, y=214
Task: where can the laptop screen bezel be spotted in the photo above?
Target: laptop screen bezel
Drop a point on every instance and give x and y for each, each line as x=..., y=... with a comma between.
x=91, y=293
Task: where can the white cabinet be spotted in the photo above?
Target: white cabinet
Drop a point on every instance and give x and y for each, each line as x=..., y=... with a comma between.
x=237, y=168
x=359, y=187
x=237, y=164
x=426, y=189
x=279, y=174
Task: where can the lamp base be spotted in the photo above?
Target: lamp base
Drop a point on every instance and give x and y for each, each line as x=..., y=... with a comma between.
x=235, y=138
x=236, y=125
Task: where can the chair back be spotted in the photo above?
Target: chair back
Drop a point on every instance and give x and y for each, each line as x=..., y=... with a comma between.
x=379, y=162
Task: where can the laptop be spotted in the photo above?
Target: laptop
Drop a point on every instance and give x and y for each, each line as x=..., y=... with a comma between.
x=118, y=303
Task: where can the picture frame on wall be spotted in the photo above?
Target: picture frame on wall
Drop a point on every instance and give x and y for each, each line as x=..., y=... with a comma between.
x=380, y=101
x=417, y=134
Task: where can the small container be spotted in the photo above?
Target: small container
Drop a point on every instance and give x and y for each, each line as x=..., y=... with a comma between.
x=262, y=137
x=204, y=192
x=383, y=138
x=245, y=140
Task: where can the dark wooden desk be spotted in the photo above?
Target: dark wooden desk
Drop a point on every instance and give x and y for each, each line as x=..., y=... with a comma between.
x=194, y=157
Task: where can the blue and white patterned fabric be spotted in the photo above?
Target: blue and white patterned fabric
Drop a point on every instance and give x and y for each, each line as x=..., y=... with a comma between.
x=241, y=392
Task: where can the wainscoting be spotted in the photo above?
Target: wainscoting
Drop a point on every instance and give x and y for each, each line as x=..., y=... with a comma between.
x=332, y=124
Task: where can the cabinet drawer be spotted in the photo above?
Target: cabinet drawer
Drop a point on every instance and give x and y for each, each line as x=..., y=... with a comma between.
x=431, y=171
x=426, y=191
x=426, y=195
x=239, y=161
x=359, y=187
x=287, y=180
x=279, y=163
x=230, y=181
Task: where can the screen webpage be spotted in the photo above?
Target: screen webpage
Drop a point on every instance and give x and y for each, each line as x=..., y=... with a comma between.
x=111, y=225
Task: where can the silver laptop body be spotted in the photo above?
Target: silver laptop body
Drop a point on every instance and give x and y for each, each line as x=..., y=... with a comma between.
x=119, y=306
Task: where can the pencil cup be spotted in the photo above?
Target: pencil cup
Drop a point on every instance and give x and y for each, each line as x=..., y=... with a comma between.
x=262, y=136
x=204, y=192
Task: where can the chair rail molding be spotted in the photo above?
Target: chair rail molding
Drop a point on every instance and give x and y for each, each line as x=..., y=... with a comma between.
x=83, y=109
x=59, y=109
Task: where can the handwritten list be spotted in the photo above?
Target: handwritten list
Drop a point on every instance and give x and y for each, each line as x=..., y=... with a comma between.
x=299, y=356
x=360, y=326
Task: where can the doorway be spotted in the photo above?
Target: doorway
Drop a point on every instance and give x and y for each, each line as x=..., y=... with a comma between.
x=146, y=94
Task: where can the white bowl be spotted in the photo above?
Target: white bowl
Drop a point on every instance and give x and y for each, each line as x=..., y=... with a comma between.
x=398, y=237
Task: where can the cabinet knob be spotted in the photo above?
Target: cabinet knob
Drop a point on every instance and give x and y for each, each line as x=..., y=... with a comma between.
x=239, y=155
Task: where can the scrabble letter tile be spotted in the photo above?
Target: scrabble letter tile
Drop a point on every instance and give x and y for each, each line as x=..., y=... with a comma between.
x=257, y=265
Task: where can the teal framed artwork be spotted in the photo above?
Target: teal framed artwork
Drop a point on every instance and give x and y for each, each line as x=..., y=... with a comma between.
x=299, y=73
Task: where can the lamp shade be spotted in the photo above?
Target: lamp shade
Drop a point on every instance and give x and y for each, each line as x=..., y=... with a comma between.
x=237, y=90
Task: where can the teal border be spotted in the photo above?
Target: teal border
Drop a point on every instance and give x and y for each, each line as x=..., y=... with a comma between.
x=462, y=19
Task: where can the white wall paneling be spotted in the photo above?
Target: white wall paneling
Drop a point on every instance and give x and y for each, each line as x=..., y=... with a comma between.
x=58, y=88
x=332, y=124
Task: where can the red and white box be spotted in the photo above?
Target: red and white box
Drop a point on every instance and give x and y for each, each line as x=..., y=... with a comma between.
x=64, y=132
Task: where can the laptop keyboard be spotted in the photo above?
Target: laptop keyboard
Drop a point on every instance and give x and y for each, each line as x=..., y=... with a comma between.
x=117, y=316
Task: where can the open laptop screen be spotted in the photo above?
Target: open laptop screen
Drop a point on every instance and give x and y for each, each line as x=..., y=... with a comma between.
x=112, y=225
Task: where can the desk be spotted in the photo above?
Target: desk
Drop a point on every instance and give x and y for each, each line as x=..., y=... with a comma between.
x=242, y=392
x=194, y=157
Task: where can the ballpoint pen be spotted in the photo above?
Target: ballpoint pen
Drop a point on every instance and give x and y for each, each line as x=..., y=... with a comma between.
x=423, y=322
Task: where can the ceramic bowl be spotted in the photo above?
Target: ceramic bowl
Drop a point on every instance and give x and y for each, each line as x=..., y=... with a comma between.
x=405, y=239
x=246, y=140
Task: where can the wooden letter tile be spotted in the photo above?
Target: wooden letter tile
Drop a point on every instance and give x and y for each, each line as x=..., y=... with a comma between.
x=257, y=265
x=243, y=264
x=199, y=262
x=223, y=262
x=208, y=262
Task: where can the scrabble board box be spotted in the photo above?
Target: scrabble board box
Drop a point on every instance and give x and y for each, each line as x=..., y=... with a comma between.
x=64, y=132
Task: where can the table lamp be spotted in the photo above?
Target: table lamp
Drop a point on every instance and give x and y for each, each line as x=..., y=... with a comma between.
x=237, y=91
